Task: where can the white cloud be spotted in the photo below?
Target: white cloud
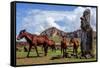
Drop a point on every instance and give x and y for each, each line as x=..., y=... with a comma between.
x=51, y=22
x=36, y=20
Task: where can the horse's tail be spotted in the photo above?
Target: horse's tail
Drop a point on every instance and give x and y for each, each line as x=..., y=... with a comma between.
x=61, y=47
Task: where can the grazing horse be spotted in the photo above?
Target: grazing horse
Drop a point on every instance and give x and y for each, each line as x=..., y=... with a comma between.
x=75, y=45
x=51, y=44
x=64, y=46
x=34, y=40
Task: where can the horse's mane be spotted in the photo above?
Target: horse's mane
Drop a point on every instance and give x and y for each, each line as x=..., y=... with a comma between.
x=31, y=34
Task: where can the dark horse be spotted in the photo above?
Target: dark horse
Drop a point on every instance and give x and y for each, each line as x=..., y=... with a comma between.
x=34, y=40
x=64, y=46
x=75, y=43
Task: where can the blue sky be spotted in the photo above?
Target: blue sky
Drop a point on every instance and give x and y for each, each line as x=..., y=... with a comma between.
x=37, y=17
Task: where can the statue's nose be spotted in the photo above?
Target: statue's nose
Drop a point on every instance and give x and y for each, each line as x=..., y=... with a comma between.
x=81, y=18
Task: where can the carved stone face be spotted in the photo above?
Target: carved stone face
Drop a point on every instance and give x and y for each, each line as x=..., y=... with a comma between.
x=85, y=20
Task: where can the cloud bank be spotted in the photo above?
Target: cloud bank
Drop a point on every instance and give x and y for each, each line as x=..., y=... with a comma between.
x=38, y=20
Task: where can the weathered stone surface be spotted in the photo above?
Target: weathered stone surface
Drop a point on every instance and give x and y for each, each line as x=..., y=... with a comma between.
x=86, y=36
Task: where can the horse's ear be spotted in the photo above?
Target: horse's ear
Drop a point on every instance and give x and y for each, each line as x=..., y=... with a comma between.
x=24, y=30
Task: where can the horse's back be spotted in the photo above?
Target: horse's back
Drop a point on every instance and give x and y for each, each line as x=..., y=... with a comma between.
x=40, y=39
x=77, y=42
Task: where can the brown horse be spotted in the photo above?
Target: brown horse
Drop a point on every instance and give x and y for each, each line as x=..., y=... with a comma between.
x=51, y=44
x=64, y=46
x=75, y=43
x=34, y=40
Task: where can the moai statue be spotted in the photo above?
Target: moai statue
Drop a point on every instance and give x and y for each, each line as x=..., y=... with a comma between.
x=86, y=35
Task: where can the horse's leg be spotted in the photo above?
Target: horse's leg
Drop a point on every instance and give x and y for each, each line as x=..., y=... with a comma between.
x=61, y=50
x=45, y=49
x=42, y=48
x=36, y=50
x=76, y=52
x=53, y=48
x=63, y=53
x=73, y=50
x=29, y=50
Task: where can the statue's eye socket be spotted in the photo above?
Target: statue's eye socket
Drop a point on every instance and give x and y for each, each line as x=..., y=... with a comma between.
x=86, y=13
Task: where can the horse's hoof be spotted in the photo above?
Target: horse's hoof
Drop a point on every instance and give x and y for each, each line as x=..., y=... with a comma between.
x=92, y=56
x=27, y=56
x=38, y=56
x=63, y=56
x=81, y=57
x=76, y=56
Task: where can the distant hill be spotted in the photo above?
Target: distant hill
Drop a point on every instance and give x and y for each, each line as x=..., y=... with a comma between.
x=54, y=31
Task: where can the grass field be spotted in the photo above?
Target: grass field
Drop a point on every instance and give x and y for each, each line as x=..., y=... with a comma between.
x=52, y=57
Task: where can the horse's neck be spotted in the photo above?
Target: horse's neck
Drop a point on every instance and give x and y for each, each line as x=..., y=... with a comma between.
x=28, y=37
x=64, y=41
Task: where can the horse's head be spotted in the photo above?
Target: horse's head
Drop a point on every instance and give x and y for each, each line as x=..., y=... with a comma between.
x=71, y=41
x=64, y=39
x=21, y=34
